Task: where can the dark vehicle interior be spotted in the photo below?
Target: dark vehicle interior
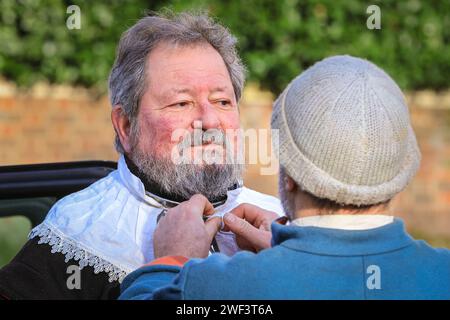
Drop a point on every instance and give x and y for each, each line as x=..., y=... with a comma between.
x=31, y=190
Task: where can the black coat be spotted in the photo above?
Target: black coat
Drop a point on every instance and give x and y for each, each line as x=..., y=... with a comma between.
x=36, y=273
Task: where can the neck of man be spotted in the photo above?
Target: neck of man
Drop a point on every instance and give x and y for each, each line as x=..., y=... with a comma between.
x=155, y=188
x=305, y=207
x=309, y=212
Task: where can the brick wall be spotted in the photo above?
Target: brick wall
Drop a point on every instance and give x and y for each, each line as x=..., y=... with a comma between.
x=58, y=123
x=47, y=124
x=425, y=204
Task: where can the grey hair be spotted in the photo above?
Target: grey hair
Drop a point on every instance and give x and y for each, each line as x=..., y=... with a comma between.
x=322, y=205
x=127, y=80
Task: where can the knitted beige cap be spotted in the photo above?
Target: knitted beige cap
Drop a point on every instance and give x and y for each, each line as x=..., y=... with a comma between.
x=345, y=132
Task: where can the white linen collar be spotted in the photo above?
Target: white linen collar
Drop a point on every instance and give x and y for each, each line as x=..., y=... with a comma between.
x=110, y=224
x=134, y=184
x=345, y=222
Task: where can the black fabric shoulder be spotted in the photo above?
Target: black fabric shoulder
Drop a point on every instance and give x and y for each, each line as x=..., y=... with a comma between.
x=36, y=273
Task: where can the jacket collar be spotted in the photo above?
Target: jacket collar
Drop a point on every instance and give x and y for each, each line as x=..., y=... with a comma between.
x=337, y=242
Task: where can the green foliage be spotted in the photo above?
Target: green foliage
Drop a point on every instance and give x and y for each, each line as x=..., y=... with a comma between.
x=35, y=43
x=13, y=235
x=278, y=39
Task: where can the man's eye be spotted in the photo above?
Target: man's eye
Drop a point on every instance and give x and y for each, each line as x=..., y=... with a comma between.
x=182, y=104
x=224, y=103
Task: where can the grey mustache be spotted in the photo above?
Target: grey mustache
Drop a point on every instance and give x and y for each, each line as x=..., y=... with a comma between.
x=210, y=136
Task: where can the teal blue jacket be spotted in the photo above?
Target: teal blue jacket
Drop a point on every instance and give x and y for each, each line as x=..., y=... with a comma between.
x=307, y=263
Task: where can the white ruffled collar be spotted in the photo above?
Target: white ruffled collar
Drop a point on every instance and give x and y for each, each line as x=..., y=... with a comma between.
x=110, y=224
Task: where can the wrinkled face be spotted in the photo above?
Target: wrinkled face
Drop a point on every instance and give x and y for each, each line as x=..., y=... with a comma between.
x=188, y=109
x=186, y=84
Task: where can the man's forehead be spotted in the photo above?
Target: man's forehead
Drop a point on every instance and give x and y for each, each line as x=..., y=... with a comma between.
x=179, y=57
x=171, y=91
x=186, y=89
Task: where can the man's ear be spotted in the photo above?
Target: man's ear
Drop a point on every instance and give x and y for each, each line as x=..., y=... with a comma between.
x=122, y=127
x=289, y=184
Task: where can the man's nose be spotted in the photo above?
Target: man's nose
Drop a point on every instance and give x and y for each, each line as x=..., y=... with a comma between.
x=209, y=117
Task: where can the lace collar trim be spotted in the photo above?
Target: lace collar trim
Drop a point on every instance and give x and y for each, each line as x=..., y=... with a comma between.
x=109, y=225
x=72, y=250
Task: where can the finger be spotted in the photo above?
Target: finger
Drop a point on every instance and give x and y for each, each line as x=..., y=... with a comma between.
x=200, y=205
x=244, y=229
x=213, y=226
x=253, y=214
x=224, y=225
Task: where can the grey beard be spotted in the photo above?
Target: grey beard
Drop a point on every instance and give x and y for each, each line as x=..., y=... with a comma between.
x=185, y=180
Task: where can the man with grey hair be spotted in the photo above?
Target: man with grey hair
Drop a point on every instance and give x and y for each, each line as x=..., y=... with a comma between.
x=174, y=89
x=346, y=149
